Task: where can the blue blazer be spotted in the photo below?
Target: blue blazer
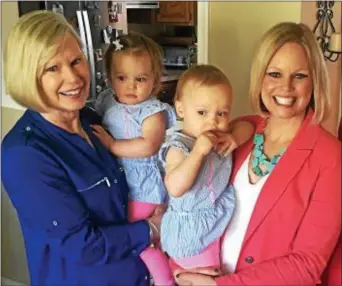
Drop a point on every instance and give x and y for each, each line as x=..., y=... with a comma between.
x=71, y=201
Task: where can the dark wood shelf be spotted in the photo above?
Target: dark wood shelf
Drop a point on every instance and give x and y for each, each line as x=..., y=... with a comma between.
x=186, y=41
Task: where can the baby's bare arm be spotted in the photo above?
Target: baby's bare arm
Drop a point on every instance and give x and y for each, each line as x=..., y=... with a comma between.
x=153, y=132
x=181, y=170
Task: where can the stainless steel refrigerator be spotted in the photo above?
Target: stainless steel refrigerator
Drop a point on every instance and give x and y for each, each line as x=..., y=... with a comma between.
x=92, y=21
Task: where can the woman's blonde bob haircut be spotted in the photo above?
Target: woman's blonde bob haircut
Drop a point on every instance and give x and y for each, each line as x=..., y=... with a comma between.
x=136, y=44
x=31, y=43
x=275, y=38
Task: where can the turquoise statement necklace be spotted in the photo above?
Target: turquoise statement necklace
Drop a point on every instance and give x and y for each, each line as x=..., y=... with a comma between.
x=261, y=159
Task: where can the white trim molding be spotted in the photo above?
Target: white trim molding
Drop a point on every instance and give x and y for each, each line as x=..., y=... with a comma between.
x=202, y=31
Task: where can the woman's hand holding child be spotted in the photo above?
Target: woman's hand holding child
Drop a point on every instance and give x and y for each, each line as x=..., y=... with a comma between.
x=106, y=139
x=154, y=222
x=196, y=276
x=240, y=132
x=226, y=143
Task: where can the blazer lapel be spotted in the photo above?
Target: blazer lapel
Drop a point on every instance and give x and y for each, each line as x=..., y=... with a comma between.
x=288, y=166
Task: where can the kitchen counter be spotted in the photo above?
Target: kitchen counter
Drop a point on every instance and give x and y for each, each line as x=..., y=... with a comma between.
x=171, y=75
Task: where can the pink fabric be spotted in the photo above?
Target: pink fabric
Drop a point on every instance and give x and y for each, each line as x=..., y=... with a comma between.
x=210, y=257
x=158, y=265
x=140, y=210
x=154, y=259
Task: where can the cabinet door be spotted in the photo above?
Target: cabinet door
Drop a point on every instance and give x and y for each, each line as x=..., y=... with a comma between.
x=140, y=16
x=176, y=12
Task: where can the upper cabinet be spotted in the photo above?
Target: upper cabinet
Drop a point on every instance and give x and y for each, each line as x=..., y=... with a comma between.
x=177, y=13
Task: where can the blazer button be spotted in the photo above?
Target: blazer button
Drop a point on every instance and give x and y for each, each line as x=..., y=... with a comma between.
x=249, y=259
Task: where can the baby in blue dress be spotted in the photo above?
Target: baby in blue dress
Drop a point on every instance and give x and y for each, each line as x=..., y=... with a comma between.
x=197, y=163
x=137, y=122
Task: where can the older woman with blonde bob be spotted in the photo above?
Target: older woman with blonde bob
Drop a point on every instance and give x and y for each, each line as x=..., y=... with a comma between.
x=69, y=191
x=287, y=179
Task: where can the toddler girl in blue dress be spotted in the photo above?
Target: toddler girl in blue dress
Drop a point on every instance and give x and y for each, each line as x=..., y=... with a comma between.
x=137, y=122
x=197, y=169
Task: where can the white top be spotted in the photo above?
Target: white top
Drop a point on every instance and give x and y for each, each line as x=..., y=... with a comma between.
x=246, y=197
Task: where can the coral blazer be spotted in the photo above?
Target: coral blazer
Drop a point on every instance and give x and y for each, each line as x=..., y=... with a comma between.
x=296, y=221
x=332, y=275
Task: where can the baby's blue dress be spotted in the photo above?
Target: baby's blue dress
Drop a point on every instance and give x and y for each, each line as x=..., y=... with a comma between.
x=125, y=122
x=199, y=217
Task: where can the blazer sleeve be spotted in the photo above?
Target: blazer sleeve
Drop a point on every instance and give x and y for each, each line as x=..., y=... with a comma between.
x=46, y=201
x=314, y=241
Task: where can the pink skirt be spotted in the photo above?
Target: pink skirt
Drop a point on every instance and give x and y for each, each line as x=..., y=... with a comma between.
x=210, y=257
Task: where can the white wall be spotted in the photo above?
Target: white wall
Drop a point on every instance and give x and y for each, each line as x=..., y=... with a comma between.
x=9, y=15
x=234, y=29
x=13, y=256
x=309, y=11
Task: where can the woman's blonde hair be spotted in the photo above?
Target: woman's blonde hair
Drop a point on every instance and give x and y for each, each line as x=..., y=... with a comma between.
x=31, y=43
x=201, y=75
x=275, y=38
x=137, y=45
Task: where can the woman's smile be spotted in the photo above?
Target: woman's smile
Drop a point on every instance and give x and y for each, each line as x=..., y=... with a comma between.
x=286, y=101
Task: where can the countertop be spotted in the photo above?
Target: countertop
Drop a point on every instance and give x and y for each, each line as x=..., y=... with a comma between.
x=171, y=75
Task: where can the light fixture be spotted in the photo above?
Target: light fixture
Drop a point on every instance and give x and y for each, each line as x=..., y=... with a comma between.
x=325, y=32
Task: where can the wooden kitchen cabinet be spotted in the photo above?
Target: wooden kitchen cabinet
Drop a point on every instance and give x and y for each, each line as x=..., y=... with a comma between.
x=168, y=91
x=140, y=16
x=177, y=13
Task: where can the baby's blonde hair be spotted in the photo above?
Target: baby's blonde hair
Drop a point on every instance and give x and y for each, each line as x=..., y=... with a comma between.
x=201, y=75
x=137, y=45
x=31, y=43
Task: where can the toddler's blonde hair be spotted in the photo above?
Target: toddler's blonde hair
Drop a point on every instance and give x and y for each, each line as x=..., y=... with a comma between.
x=201, y=75
x=137, y=45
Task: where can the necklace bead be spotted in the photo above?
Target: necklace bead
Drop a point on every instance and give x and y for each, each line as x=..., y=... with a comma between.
x=260, y=157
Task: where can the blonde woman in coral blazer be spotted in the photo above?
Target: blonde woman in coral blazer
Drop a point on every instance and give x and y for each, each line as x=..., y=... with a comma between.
x=295, y=221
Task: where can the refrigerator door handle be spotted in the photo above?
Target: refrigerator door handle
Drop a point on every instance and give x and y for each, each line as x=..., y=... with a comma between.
x=82, y=32
x=91, y=55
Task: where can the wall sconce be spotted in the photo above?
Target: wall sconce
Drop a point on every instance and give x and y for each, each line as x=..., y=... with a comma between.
x=329, y=40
